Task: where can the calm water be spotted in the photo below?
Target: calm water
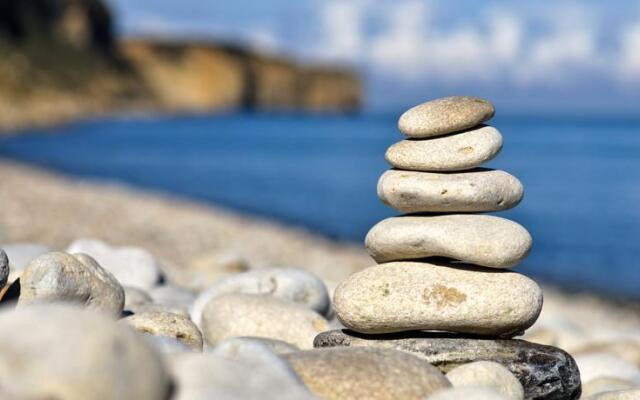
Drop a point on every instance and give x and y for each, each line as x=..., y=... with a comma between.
x=582, y=177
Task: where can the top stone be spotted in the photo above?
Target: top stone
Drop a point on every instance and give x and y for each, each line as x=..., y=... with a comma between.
x=446, y=115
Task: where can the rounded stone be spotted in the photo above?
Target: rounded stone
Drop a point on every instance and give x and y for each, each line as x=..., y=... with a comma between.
x=487, y=373
x=477, y=239
x=172, y=296
x=445, y=115
x=596, y=365
x=631, y=394
x=4, y=268
x=402, y=296
x=374, y=374
x=290, y=284
x=236, y=314
x=209, y=376
x=135, y=297
x=77, y=278
x=477, y=191
x=246, y=343
x=132, y=266
x=168, y=325
x=252, y=351
x=545, y=372
x=455, y=152
x=468, y=393
x=605, y=384
x=61, y=352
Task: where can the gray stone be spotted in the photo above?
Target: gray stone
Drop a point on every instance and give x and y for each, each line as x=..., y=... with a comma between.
x=403, y=296
x=252, y=351
x=446, y=115
x=166, y=345
x=172, y=296
x=135, y=297
x=132, y=266
x=374, y=374
x=4, y=268
x=476, y=191
x=232, y=315
x=487, y=373
x=545, y=372
x=477, y=239
x=78, y=278
x=153, y=307
x=276, y=346
x=455, y=152
x=468, y=393
x=167, y=324
x=211, y=376
x=290, y=284
x=61, y=352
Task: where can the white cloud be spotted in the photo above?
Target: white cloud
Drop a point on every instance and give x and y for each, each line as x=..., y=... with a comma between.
x=342, y=25
x=629, y=66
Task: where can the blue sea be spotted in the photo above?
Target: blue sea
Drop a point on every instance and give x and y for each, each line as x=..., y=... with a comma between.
x=581, y=177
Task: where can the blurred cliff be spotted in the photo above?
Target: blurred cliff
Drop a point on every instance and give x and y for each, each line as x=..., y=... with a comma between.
x=60, y=61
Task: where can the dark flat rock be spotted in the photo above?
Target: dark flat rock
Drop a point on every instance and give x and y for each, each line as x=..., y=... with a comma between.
x=545, y=372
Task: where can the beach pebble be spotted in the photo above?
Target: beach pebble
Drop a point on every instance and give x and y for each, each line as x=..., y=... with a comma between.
x=631, y=394
x=132, y=266
x=209, y=376
x=77, y=278
x=545, y=372
x=477, y=239
x=166, y=345
x=461, y=151
x=626, y=349
x=468, y=393
x=487, y=373
x=596, y=365
x=247, y=343
x=21, y=254
x=476, y=191
x=61, y=352
x=605, y=384
x=253, y=351
x=366, y=374
x=4, y=268
x=172, y=296
x=135, y=297
x=167, y=324
x=402, y=296
x=445, y=115
x=207, y=268
x=290, y=284
x=153, y=307
x=232, y=315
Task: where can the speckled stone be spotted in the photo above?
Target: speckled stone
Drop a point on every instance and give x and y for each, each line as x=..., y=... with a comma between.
x=62, y=352
x=487, y=373
x=545, y=372
x=77, y=278
x=403, y=296
x=167, y=324
x=446, y=115
x=375, y=374
x=477, y=191
x=4, y=268
x=232, y=315
x=291, y=284
x=455, y=152
x=477, y=239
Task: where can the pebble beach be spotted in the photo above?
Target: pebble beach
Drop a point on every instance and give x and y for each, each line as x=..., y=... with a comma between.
x=184, y=300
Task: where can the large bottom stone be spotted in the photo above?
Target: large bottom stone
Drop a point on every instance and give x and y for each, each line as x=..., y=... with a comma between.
x=545, y=372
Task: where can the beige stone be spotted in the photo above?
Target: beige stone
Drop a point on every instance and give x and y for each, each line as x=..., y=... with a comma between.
x=359, y=373
x=477, y=191
x=169, y=325
x=467, y=393
x=477, y=239
x=455, y=152
x=631, y=394
x=446, y=115
x=487, y=373
x=402, y=296
x=605, y=384
x=231, y=315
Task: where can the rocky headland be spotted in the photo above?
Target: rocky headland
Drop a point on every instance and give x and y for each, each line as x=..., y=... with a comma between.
x=62, y=61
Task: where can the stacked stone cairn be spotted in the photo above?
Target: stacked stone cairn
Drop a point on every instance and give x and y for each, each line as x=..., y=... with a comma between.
x=443, y=289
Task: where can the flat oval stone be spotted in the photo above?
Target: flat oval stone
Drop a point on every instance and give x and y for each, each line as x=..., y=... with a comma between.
x=455, y=152
x=490, y=374
x=446, y=115
x=168, y=325
x=477, y=191
x=402, y=296
x=545, y=372
x=477, y=239
x=77, y=278
x=375, y=374
x=237, y=314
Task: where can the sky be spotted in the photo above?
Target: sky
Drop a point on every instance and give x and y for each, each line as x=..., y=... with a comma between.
x=554, y=56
